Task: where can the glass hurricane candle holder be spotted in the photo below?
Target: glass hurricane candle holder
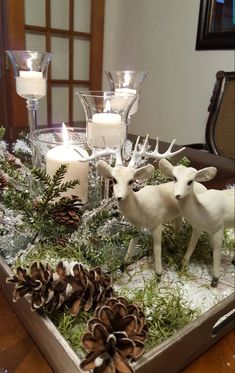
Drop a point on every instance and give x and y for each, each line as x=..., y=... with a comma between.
x=30, y=71
x=106, y=123
x=127, y=82
x=52, y=147
x=106, y=117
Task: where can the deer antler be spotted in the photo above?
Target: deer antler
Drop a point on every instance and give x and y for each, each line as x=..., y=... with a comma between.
x=102, y=152
x=137, y=154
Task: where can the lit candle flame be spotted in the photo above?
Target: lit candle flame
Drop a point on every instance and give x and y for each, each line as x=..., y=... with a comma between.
x=127, y=79
x=65, y=134
x=107, y=108
x=29, y=64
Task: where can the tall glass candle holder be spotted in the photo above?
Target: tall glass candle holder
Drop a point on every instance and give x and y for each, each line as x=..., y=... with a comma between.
x=30, y=71
x=106, y=122
x=127, y=81
x=106, y=117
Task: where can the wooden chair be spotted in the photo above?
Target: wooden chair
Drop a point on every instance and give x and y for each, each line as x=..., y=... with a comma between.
x=220, y=133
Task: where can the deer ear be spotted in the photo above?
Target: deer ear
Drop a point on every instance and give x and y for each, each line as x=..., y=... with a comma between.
x=104, y=169
x=144, y=172
x=206, y=174
x=165, y=167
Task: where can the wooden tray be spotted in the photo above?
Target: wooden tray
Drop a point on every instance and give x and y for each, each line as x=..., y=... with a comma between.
x=171, y=356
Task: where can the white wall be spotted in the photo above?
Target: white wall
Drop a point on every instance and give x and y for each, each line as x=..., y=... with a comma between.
x=159, y=36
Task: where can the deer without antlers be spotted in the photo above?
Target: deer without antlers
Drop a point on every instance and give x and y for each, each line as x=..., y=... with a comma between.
x=211, y=211
x=152, y=205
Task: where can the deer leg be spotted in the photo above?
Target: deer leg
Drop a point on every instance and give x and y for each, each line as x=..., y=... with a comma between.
x=131, y=250
x=216, y=240
x=157, y=248
x=191, y=247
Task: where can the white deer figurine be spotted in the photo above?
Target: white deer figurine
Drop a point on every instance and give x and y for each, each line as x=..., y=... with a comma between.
x=152, y=205
x=210, y=212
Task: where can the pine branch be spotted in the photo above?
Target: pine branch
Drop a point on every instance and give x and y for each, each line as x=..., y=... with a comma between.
x=42, y=176
x=36, y=212
x=2, y=133
x=59, y=174
x=53, y=186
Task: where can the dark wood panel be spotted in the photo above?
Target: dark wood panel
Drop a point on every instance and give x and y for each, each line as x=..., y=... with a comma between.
x=13, y=14
x=218, y=359
x=97, y=32
x=18, y=352
x=3, y=102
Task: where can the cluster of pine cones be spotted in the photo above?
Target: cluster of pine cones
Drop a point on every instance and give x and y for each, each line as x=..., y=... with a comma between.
x=72, y=285
x=116, y=334
x=115, y=337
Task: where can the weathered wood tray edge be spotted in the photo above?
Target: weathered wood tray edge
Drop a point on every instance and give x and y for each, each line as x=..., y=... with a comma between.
x=171, y=356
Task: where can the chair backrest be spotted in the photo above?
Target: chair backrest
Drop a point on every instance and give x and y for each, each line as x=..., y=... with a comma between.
x=220, y=134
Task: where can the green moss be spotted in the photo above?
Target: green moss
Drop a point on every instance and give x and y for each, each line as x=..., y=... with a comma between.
x=52, y=254
x=229, y=240
x=72, y=328
x=165, y=310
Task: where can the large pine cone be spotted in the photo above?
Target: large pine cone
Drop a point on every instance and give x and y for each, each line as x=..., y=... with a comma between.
x=68, y=211
x=115, y=337
x=73, y=286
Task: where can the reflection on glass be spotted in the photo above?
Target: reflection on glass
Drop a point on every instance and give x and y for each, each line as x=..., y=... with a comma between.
x=222, y=17
x=127, y=82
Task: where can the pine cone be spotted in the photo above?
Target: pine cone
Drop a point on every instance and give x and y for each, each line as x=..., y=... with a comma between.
x=115, y=337
x=68, y=211
x=76, y=287
x=61, y=240
x=3, y=180
x=13, y=161
x=37, y=283
x=90, y=288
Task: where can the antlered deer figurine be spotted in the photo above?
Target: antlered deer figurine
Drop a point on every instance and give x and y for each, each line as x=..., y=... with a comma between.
x=210, y=212
x=152, y=205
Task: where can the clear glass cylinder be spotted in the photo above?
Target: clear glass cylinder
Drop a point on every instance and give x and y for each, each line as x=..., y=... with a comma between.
x=126, y=81
x=106, y=117
x=51, y=148
x=30, y=71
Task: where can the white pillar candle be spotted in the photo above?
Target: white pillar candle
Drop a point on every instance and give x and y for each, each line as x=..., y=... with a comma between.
x=31, y=83
x=67, y=154
x=31, y=74
x=125, y=90
x=134, y=107
x=108, y=126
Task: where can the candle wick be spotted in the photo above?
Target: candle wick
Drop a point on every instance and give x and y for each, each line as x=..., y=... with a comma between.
x=103, y=139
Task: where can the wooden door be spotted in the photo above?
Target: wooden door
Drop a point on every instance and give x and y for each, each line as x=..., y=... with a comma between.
x=12, y=107
x=72, y=30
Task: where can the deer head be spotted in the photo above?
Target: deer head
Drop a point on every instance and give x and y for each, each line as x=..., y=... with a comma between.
x=185, y=176
x=124, y=176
